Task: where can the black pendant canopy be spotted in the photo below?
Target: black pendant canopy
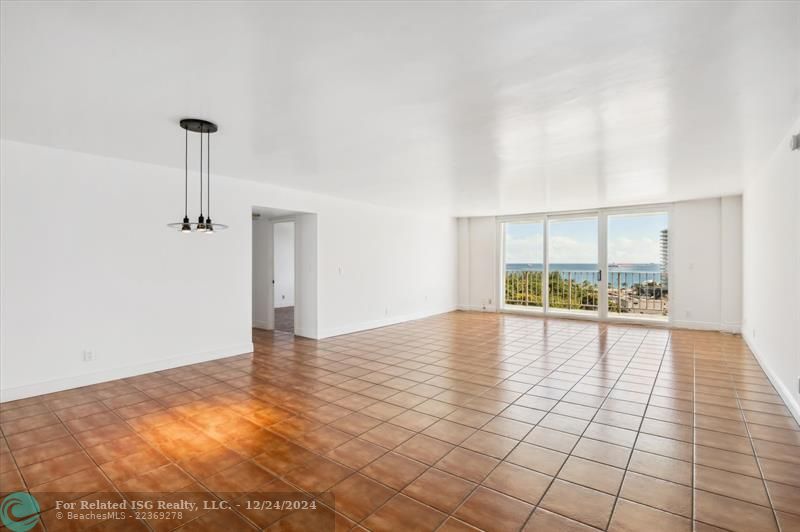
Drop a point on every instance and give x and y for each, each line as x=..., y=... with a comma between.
x=204, y=223
x=198, y=125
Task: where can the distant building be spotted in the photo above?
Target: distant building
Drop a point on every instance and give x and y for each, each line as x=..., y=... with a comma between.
x=664, y=258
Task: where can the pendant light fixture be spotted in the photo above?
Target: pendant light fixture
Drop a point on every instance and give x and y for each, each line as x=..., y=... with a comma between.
x=203, y=224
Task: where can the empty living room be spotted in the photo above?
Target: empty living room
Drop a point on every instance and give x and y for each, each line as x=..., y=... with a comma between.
x=390, y=266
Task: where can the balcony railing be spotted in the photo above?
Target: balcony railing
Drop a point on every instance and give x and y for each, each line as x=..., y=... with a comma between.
x=628, y=292
x=524, y=288
x=573, y=290
x=638, y=293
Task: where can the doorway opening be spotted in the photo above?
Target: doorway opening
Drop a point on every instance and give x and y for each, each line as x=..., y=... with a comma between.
x=283, y=275
x=284, y=272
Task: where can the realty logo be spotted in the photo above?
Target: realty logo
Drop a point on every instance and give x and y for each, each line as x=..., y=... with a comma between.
x=20, y=511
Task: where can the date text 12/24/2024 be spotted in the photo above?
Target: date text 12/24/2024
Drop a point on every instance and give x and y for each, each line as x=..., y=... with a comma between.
x=184, y=505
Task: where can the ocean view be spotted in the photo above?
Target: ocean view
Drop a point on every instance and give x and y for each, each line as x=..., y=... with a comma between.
x=587, y=272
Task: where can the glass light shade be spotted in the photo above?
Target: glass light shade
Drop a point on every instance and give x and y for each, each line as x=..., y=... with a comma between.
x=194, y=227
x=184, y=227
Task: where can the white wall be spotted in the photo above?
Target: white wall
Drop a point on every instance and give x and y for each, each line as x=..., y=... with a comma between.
x=307, y=293
x=479, y=271
x=88, y=264
x=383, y=266
x=705, y=258
x=283, y=260
x=464, y=276
x=731, y=256
x=771, y=315
x=696, y=264
x=263, y=315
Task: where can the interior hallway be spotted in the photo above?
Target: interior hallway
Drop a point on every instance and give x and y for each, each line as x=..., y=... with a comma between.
x=284, y=319
x=497, y=421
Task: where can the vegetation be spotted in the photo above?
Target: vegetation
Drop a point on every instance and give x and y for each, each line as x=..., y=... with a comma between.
x=525, y=288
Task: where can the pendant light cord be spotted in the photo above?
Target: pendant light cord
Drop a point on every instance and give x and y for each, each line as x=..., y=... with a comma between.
x=208, y=172
x=186, y=174
x=201, y=171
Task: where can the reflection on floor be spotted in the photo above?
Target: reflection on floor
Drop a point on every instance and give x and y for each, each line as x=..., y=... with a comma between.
x=495, y=421
x=284, y=319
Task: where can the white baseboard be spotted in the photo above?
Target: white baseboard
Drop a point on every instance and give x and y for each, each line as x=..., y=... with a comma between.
x=258, y=324
x=786, y=394
x=374, y=324
x=76, y=381
x=733, y=328
x=306, y=333
x=478, y=308
x=697, y=325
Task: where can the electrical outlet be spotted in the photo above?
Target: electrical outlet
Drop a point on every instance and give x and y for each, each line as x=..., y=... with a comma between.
x=88, y=356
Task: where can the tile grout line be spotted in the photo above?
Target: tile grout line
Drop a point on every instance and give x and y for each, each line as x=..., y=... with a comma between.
x=191, y=475
x=590, y=421
x=83, y=449
x=567, y=360
x=160, y=452
x=19, y=470
x=755, y=453
x=479, y=484
x=151, y=446
x=462, y=373
x=694, y=437
x=638, y=431
x=148, y=443
x=324, y=456
x=71, y=435
x=552, y=480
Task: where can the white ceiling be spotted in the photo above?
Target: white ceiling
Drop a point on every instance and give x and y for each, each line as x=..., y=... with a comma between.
x=472, y=108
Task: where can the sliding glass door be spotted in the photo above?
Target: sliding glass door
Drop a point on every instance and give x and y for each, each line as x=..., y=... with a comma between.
x=573, y=273
x=638, y=265
x=605, y=264
x=523, y=264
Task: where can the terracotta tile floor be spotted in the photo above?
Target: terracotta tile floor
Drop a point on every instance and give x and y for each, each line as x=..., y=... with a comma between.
x=457, y=421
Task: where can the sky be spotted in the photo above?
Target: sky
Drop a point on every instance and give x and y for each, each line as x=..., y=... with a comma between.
x=631, y=239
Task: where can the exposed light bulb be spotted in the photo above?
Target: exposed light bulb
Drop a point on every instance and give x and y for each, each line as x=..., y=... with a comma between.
x=186, y=227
